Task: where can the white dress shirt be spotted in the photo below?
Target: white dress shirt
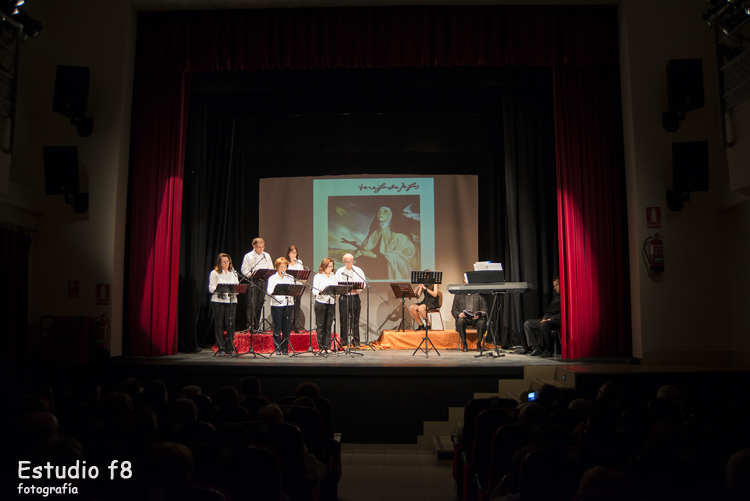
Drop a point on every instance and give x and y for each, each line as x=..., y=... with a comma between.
x=254, y=261
x=225, y=277
x=320, y=282
x=354, y=275
x=274, y=280
x=296, y=266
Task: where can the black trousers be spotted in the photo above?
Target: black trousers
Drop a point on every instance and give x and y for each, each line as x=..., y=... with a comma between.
x=224, y=320
x=539, y=334
x=323, y=320
x=282, y=326
x=349, y=309
x=479, y=324
x=255, y=299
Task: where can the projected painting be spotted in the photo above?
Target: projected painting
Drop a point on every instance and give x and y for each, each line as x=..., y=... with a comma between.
x=387, y=224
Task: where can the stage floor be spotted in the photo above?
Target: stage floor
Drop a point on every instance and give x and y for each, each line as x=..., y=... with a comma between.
x=364, y=357
x=395, y=354
x=390, y=349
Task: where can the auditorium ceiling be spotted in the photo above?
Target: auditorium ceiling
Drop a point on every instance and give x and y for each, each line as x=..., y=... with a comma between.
x=162, y=5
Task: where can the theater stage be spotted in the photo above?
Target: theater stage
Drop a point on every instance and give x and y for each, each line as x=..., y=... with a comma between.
x=389, y=340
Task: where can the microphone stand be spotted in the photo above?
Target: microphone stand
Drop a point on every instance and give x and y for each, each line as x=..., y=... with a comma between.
x=367, y=332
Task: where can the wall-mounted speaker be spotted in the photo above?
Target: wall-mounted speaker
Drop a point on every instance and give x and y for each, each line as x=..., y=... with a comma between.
x=71, y=91
x=690, y=166
x=61, y=170
x=685, y=84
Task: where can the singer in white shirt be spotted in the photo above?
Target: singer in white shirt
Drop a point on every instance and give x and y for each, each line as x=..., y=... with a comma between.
x=223, y=305
x=350, y=304
x=281, y=307
x=325, y=306
x=255, y=260
x=295, y=263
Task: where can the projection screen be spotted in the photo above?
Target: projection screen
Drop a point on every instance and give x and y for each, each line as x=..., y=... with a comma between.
x=430, y=223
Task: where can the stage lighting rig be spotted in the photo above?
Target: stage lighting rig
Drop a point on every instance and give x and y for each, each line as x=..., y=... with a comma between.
x=730, y=22
x=10, y=13
x=727, y=14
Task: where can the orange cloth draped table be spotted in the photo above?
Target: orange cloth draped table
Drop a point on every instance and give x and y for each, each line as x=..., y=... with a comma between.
x=409, y=340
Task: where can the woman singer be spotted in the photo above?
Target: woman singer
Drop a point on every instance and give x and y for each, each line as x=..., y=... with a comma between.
x=325, y=307
x=281, y=307
x=295, y=263
x=428, y=302
x=223, y=305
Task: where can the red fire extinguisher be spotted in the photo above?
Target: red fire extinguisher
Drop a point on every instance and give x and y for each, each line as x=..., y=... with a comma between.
x=101, y=332
x=653, y=251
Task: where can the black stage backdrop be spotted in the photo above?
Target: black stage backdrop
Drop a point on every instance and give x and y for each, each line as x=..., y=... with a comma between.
x=495, y=122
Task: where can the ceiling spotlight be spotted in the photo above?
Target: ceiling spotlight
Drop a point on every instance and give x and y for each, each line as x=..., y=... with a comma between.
x=31, y=27
x=20, y=2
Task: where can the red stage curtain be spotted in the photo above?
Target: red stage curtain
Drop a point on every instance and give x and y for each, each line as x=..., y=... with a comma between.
x=593, y=265
x=171, y=45
x=155, y=213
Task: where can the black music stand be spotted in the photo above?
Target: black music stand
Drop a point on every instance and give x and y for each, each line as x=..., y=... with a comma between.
x=352, y=286
x=287, y=290
x=427, y=277
x=263, y=274
x=301, y=276
x=402, y=291
x=349, y=287
x=336, y=291
x=427, y=343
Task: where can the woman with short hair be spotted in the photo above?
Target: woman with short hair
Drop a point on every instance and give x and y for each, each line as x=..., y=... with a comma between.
x=325, y=306
x=281, y=307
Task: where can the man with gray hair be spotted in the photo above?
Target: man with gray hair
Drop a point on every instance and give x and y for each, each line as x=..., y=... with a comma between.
x=255, y=260
x=350, y=304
